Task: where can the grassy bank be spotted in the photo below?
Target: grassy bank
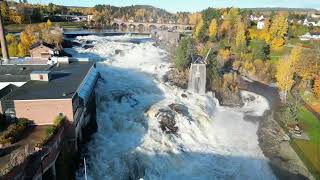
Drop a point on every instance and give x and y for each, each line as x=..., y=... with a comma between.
x=309, y=151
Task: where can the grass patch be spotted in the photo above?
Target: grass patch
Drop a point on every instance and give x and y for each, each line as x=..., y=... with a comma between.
x=311, y=100
x=310, y=154
x=310, y=124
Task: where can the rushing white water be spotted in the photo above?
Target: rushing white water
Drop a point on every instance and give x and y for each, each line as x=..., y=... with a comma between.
x=212, y=142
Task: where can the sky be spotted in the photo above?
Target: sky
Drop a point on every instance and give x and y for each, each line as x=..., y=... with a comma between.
x=190, y=5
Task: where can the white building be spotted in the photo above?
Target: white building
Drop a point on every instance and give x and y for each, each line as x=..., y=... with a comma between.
x=306, y=22
x=309, y=36
x=260, y=24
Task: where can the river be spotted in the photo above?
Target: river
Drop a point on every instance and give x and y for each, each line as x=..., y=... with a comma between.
x=212, y=142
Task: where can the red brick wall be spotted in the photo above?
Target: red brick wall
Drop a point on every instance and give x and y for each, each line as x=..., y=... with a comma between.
x=43, y=111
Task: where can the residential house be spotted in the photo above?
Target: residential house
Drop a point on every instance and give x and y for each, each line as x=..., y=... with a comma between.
x=43, y=51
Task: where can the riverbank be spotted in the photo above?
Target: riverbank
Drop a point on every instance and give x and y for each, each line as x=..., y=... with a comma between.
x=273, y=140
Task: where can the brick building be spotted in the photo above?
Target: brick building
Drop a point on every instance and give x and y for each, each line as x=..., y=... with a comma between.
x=64, y=89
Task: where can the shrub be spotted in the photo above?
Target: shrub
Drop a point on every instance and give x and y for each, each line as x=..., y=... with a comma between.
x=15, y=131
x=59, y=120
x=183, y=54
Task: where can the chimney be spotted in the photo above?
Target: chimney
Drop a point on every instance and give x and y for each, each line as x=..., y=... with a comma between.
x=4, y=48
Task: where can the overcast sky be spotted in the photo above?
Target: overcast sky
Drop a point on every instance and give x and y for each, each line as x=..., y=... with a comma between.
x=190, y=5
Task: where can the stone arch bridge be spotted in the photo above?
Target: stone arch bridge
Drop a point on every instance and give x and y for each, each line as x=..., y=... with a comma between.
x=148, y=27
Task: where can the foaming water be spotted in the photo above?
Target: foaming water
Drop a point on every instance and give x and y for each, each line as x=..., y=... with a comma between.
x=212, y=142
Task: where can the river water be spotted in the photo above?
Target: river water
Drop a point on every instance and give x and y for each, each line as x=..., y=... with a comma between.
x=212, y=142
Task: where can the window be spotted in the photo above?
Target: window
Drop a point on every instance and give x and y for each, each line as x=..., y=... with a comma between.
x=41, y=77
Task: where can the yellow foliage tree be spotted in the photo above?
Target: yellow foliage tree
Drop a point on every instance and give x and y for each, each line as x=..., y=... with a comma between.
x=194, y=18
x=265, y=34
x=224, y=54
x=277, y=43
x=49, y=24
x=278, y=30
x=213, y=28
x=316, y=86
x=240, y=39
x=225, y=27
x=284, y=76
x=199, y=30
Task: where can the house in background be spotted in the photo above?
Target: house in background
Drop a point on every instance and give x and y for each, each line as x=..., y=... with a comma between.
x=260, y=24
x=43, y=51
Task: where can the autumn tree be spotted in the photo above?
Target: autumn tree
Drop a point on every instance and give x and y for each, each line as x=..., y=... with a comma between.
x=12, y=45
x=199, y=33
x=213, y=29
x=284, y=76
x=240, y=39
x=194, y=18
x=49, y=24
x=278, y=30
x=316, y=86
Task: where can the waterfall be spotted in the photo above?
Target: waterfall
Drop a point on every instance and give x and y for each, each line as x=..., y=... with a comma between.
x=197, y=78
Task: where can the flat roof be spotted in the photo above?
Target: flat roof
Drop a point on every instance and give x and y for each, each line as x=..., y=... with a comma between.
x=65, y=80
x=40, y=72
x=19, y=73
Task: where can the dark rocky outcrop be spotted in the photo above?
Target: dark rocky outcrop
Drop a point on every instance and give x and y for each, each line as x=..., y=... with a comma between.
x=167, y=121
x=176, y=78
x=275, y=145
x=228, y=98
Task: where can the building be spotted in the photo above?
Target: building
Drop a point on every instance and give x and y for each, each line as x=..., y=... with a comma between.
x=260, y=24
x=310, y=36
x=18, y=75
x=43, y=51
x=65, y=89
x=314, y=23
x=169, y=37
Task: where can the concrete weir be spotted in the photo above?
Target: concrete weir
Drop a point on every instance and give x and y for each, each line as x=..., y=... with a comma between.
x=197, y=78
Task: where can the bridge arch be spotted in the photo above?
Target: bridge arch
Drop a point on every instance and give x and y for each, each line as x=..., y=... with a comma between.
x=115, y=26
x=123, y=27
x=188, y=28
x=141, y=27
x=152, y=27
x=163, y=27
x=132, y=27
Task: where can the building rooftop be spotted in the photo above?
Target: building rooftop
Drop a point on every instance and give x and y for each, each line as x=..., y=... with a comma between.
x=65, y=80
x=19, y=73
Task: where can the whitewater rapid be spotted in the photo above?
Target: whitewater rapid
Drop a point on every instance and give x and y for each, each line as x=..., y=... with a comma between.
x=214, y=142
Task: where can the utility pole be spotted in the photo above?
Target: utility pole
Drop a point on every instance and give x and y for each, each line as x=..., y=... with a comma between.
x=4, y=47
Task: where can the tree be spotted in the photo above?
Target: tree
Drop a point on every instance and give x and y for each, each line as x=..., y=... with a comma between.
x=284, y=76
x=316, y=86
x=278, y=30
x=12, y=45
x=49, y=24
x=240, y=39
x=184, y=54
x=194, y=18
x=199, y=33
x=213, y=29
x=213, y=75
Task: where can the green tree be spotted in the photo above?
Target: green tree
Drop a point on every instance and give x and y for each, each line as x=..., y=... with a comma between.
x=184, y=54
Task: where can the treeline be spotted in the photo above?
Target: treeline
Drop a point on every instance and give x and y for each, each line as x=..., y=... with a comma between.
x=19, y=46
x=239, y=47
